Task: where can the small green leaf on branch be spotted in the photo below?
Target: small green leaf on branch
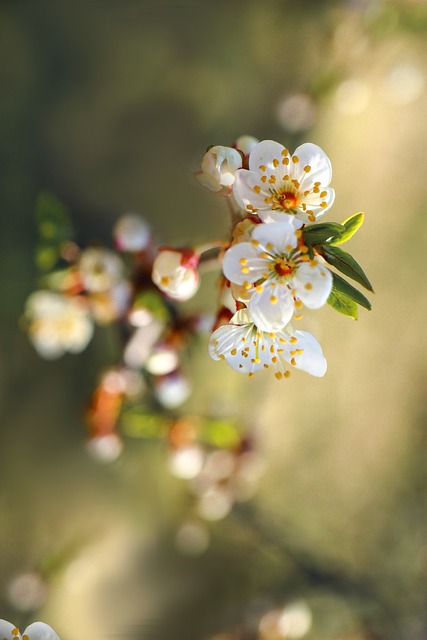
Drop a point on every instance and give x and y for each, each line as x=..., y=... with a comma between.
x=351, y=225
x=324, y=232
x=342, y=286
x=343, y=304
x=345, y=263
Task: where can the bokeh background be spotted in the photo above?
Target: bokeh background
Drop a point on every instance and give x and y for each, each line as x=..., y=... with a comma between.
x=111, y=105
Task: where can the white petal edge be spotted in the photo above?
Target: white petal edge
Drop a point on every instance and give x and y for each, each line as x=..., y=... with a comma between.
x=40, y=631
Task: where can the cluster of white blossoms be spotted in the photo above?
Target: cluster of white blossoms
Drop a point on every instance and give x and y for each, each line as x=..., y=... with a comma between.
x=276, y=261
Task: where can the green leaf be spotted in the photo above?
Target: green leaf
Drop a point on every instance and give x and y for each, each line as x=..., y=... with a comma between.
x=323, y=232
x=54, y=228
x=53, y=222
x=220, y=432
x=343, y=304
x=345, y=263
x=153, y=302
x=351, y=225
x=140, y=423
x=342, y=286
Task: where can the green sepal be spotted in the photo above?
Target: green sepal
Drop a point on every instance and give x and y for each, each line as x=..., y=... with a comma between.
x=220, y=432
x=351, y=225
x=139, y=422
x=324, y=232
x=343, y=287
x=345, y=263
x=343, y=304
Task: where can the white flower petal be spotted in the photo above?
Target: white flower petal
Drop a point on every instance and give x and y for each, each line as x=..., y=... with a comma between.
x=311, y=360
x=242, y=264
x=280, y=234
x=313, y=284
x=233, y=343
x=6, y=629
x=269, y=215
x=264, y=153
x=310, y=155
x=245, y=191
x=40, y=631
x=272, y=308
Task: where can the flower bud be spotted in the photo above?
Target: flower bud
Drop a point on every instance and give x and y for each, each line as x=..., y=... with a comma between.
x=131, y=233
x=219, y=166
x=175, y=273
x=245, y=144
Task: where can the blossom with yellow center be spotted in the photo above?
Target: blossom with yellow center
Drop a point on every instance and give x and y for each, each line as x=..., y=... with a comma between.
x=247, y=349
x=276, y=274
x=57, y=324
x=279, y=184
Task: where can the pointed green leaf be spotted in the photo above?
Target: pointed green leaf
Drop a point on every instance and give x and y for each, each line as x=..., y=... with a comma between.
x=343, y=304
x=342, y=286
x=351, y=225
x=322, y=232
x=345, y=263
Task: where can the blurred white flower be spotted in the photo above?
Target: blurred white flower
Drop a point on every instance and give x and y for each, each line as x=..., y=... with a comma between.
x=279, y=185
x=219, y=166
x=172, y=390
x=57, y=323
x=100, y=269
x=35, y=631
x=131, y=233
x=105, y=448
x=175, y=273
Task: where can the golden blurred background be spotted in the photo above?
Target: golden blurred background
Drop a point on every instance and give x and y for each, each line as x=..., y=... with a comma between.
x=111, y=105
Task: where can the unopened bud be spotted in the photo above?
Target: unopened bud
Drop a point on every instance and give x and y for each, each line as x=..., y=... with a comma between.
x=175, y=273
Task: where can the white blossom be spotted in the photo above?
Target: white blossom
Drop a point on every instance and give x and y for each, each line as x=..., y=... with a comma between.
x=57, y=323
x=247, y=349
x=175, y=273
x=279, y=184
x=274, y=274
x=100, y=269
x=219, y=166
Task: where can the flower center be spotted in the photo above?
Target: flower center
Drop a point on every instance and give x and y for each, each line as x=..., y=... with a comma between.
x=287, y=200
x=284, y=267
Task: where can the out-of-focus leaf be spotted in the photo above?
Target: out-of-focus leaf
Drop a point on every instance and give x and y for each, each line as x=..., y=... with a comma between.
x=345, y=263
x=154, y=303
x=351, y=225
x=138, y=422
x=220, y=432
x=54, y=228
x=53, y=221
x=322, y=232
x=342, y=286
